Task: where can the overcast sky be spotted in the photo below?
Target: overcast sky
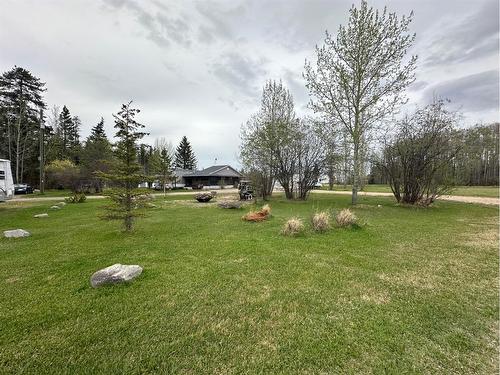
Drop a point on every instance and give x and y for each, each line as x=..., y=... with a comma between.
x=196, y=68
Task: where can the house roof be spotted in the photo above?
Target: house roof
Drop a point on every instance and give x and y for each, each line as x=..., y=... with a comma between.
x=179, y=172
x=216, y=170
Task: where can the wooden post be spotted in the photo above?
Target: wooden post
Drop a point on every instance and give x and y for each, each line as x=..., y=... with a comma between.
x=42, y=154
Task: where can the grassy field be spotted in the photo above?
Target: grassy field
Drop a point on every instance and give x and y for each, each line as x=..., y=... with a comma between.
x=472, y=191
x=411, y=291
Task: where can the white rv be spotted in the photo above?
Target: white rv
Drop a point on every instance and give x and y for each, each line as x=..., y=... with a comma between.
x=6, y=181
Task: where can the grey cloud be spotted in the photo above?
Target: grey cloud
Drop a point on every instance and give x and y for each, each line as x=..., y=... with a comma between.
x=418, y=85
x=474, y=93
x=161, y=29
x=296, y=85
x=241, y=73
x=218, y=20
x=475, y=37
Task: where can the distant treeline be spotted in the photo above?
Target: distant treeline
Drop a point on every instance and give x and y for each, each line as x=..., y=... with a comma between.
x=476, y=162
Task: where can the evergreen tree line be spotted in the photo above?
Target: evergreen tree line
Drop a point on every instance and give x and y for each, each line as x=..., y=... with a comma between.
x=25, y=123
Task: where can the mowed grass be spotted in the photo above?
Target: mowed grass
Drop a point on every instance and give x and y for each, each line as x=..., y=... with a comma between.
x=472, y=191
x=410, y=291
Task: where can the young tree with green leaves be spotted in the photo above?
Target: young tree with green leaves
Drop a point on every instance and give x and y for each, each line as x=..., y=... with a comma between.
x=127, y=200
x=184, y=155
x=360, y=76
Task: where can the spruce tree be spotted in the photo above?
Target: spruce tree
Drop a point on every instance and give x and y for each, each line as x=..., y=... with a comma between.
x=63, y=131
x=97, y=132
x=74, y=140
x=127, y=200
x=96, y=155
x=21, y=98
x=184, y=156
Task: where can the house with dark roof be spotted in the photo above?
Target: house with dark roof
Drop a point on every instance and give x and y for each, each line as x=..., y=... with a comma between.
x=213, y=177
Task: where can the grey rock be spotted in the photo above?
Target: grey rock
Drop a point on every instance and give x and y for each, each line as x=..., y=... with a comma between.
x=55, y=208
x=16, y=233
x=230, y=204
x=117, y=273
x=41, y=215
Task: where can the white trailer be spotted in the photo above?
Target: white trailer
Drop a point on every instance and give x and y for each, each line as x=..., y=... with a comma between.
x=6, y=181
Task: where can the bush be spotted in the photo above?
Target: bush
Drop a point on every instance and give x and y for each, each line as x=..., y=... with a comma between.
x=63, y=174
x=321, y=221
x=293, y=227
x=76, y=198
x=346, y=218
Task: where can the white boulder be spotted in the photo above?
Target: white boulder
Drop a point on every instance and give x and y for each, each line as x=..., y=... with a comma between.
x=16, y=233
x=41, y=215
x=117, y=273
x=55, y=208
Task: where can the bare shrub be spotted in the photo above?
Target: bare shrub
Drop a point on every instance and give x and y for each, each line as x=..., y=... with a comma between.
x=266, y=209
x=293, y=227
x=346, y=218
x=321, y=221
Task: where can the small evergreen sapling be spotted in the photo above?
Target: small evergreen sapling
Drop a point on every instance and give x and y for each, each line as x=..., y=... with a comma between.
x=127, y=200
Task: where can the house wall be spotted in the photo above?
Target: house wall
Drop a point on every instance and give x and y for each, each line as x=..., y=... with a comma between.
x=211, y=181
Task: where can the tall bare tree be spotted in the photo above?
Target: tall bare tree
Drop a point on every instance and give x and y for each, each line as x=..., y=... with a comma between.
x=360, y=76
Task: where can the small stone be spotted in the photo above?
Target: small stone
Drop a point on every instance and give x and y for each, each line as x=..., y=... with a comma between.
x=62, y=204
x=117, y=273
x=16, y=233
x=55, y=208
x=379, y=205
x=41, y=215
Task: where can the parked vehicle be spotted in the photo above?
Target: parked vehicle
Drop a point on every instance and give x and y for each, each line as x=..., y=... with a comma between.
x=23, y=189
x=6, y=181
x=318, y=185
x=245, y=190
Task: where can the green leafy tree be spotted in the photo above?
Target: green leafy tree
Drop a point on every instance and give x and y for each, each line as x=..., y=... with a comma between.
x=184, y=156
x=360, y=76
x=63, y=174
x=127, y=200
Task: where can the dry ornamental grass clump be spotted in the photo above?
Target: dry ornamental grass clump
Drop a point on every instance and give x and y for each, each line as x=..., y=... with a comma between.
x=346, y=218
x=260, y=215
x=293, y=227
x=321, y=221
x=266, y=209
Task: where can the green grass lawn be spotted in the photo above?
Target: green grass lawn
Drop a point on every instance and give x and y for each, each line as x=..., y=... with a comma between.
x=473, y=191
x=411, y=291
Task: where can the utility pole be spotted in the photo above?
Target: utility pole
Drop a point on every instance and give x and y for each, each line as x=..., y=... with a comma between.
x=42, y=153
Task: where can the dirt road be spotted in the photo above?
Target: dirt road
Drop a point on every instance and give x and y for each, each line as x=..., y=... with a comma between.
x=455, y=198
